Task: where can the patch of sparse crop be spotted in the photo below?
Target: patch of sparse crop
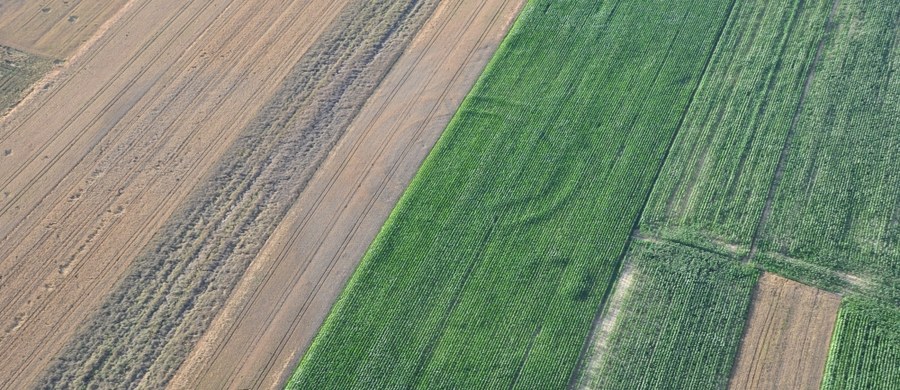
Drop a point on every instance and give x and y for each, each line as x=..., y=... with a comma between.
x=679, y=325
x=865, y=349
x=18, y=73
x=489, y=272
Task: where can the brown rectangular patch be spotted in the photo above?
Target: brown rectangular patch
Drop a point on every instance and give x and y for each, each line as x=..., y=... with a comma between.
x=785, y=344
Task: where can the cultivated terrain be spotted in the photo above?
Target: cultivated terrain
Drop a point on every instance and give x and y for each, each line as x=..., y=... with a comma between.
x=464, y=194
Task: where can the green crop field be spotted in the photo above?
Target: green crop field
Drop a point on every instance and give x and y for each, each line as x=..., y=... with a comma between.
x=838, y=205
x=714, y=184
x=736, y=135
x=865, y=351
x=490, y=270
x=679, y=324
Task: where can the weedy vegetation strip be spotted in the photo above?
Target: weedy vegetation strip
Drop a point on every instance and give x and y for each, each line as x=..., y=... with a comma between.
x=146, y=328
x=680, y=324
x=865, y=349
x=491, y=269
x=18, y=72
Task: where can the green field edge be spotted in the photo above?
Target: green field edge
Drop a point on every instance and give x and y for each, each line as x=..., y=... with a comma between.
x=636, y=221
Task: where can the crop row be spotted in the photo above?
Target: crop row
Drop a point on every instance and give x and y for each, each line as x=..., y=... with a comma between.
x=715, y=182
x=865, y=350
x=490, y=270
x=679, y=324
x=838, y=205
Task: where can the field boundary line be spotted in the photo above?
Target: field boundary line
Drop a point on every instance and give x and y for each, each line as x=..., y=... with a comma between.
x=282, y=254
x=618, y=265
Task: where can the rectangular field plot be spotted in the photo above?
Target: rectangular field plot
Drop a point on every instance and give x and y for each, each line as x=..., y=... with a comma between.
x=491, y=269
x=785, y=344
x=865, y=351
x=715, y=181
x=678, y=325
x=838, y=204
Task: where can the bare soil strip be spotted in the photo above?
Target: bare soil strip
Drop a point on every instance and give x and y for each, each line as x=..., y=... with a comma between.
x=604, y=327
x=101, y=159
x=287, y=292
x=53, y=28
x=785, y=344
x=178, y=283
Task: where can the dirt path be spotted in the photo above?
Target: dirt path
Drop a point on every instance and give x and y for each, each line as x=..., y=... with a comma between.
x=786, y=341
x=100, y=159
x=287, y=292
x=603, y=329
x=53, y=28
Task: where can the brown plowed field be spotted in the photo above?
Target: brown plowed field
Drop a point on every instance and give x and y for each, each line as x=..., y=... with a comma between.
x=54, y=28
x=288, y=290
x=100, y=160
x=785, y=345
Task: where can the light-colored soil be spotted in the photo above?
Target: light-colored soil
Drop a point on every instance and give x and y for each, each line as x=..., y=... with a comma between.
x=99, y=160
x=785, y=344
x=604, y=327
x=183, y=278
x=54, y=29
x=288, y=291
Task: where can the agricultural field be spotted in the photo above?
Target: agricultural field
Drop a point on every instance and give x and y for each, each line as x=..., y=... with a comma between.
x=678, y=325
x=866, y=347
x=715, y=182
x=223, y=224
x=18, y=73
x=837, y=205
x=477, y=279
x=102, y=158
x=786, y=338
x=529, y=194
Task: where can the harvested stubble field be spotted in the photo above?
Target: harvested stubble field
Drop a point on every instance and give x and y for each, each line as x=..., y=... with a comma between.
x=183, y=278
x=786, y=340
x=107, y=153
x=55, y=29
x=152, y=169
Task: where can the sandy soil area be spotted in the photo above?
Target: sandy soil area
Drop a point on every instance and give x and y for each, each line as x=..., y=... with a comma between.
x=785, y=344
x=100, y=159
x=287, y=292
x=54, y=29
